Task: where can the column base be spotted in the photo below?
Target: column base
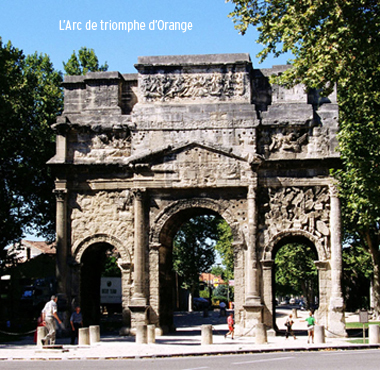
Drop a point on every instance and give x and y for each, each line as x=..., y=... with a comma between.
x=138, y=316
x=253, y=316
x=336, y=321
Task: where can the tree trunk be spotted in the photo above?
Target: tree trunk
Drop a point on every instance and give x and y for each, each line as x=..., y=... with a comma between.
x=373, y=247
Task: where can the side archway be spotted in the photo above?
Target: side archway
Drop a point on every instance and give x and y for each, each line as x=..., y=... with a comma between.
x=268, y=263
x=89, y=257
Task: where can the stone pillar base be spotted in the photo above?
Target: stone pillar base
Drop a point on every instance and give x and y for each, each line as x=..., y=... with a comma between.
x=253, y=317
x=336, y=322
x=139, y=315
x=260, y=334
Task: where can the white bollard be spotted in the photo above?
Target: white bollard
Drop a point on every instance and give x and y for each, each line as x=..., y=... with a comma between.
x=206, y=335
x=41, y=333
x=152, y=333
x=83, y=337
x=94, y=334
x=374, y=334
x=141, y=334
x=319, y=334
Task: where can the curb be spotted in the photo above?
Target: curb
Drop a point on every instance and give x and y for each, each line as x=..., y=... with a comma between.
x=61, y=357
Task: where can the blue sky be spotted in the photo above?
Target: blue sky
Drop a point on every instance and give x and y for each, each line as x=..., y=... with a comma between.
x=37, y=26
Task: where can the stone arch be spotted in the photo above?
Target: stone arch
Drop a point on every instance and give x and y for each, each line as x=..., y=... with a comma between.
x=284, y=237
x=80, y=246
x=164, y=225
x=163, y=230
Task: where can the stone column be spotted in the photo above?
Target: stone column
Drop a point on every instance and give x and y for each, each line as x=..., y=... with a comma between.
x=138, y=298
x=267, y=282
x=252, y=296
x=61, y=238
x=336, y=307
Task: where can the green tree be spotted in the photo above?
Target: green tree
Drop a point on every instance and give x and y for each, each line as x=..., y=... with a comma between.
x=296, y=272
x=194, y=250
x=85, y=61
x=225, y=248
x=357, y=274
x=30, y=99
x=334, y=42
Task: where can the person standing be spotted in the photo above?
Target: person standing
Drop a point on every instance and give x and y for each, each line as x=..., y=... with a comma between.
x=49, y=313
x=289, y=323
x=76, y=322
x=222, y=309
x=310, y=327
x=230, y=323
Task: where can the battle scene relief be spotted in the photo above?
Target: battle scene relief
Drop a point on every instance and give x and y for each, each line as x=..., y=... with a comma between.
x=295, y=208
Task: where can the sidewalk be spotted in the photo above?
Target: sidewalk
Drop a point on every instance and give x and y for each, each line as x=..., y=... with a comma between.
x=185, y=342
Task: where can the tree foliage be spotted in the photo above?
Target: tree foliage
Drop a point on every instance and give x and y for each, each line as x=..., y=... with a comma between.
x=85, y=61
x=194, y=249
x=225, y=248
x=357, y=273
x=30, y=99
x=335, y=42
x=296, y=272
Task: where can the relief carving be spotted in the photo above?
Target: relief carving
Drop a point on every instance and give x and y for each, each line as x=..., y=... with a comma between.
x=215, y=86
x=197, y=166
x=101, y=146
x=296, y=208
x=102, y=213
x=282, y=141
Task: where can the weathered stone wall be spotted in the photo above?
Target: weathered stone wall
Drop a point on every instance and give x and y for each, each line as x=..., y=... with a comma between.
x=138, y=155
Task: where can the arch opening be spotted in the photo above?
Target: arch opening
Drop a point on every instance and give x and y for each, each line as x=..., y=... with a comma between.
x=295, y=280
x=95, y=261
x=188, y=249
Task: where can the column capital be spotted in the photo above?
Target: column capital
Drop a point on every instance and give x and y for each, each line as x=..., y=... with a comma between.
x=60, y=194
x=334, y=190
x=138, y=193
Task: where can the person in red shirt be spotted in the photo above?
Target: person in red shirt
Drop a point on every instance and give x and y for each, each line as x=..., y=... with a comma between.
x=230, y=323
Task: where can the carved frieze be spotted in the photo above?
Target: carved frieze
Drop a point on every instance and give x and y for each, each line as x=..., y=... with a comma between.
x=290, y=141
x=90, y=146
x=214, y=86
x=295, y=208
x=197, y=166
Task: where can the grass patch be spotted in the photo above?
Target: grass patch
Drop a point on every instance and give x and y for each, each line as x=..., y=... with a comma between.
x=359, y=325
x=358, y=341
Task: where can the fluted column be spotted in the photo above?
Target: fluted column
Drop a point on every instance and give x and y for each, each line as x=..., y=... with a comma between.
x=138, y=297
x=336, y=321
x=336, y=244
x=252, y=296
x=61, y=237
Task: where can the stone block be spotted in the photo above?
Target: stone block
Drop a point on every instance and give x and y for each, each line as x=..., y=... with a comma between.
x=94, y=332
x=83, y=337
x=374, y=334
x=206, y=332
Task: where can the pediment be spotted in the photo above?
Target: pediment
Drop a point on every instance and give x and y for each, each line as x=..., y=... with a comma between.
x=195, y=164
x=164, y=153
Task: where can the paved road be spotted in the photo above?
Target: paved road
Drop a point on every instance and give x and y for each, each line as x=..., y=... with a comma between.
x=326, y=360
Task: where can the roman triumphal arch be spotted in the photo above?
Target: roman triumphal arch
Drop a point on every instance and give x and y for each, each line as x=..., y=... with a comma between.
x=139, y=154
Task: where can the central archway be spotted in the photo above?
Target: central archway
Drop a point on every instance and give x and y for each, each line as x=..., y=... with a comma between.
x=175, y=216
